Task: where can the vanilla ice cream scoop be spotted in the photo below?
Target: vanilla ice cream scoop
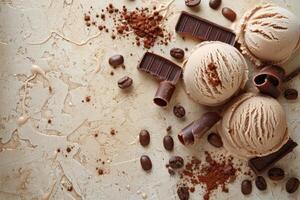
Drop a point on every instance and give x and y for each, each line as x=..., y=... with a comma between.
x=214, y=72
x=254, y=126
x=269, y=34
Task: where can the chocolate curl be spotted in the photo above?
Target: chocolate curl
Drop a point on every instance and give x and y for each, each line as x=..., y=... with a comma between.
x=164, y=93
x=197, y=128
x=269, y=80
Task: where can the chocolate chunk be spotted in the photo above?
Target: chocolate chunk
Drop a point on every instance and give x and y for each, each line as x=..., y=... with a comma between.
x=276, y=174
x=292, y=75
x=292, y=185
x=161, y=68
x=202, y=29
x=144, y=138
x=192, y=3
x=260, y=164
x=215, y=140
x=176, y=162
x=291, y=94
x=116, y=60
x=269, y=80
x=261, y=183
x=125, y=82
x=177, y=53
x=168, y=143
x=229, y=14
x=246, y=187
x=164, y=93
x=146, y=163
x=179, y=111
x=198, y=128
x=215, y=4
x=183, y=193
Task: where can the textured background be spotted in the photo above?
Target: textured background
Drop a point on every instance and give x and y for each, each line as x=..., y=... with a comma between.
x=31, y=168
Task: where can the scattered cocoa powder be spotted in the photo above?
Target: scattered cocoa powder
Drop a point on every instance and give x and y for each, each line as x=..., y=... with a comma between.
x=212, y=74
x=211, y=174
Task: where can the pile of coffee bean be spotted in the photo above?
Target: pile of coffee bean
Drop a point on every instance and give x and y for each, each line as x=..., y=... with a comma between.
x=275, y=174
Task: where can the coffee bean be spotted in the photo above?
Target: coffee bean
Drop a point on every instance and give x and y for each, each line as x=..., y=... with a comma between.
x=215, y=140
x=116, y=60
x=291, y=94
x=214, y=4
x=168, y=143
x=229, y=14
x=261, y=183
x=292, y=185
x=125, y=82
x=145, y=162
x=246, y=187
x=183, y=193
x=276, y=173
x=176, y=162
x=179, y=111
x=144, y=138
x=192, y=3
x=177, y=53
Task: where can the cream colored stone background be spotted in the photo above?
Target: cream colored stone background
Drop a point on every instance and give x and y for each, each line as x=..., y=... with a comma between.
x=31, y=168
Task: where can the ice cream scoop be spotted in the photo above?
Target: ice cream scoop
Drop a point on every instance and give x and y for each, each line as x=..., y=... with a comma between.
x=253, y=126
x=269, y=34
x=214, y=72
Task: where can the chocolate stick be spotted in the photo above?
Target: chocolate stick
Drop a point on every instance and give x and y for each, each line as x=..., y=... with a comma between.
x=164, y=93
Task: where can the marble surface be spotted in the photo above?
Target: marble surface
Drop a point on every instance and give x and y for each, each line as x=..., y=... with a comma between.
x=30, y=165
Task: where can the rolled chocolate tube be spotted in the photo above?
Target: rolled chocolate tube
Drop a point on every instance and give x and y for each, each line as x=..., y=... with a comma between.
x=197, y=128
x=164, y=93
x=269, y=80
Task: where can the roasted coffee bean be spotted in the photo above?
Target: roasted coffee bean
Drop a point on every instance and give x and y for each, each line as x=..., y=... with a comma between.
x=276, y=173
x=168, y=143
x=261, y=183
x=177, y=53
x=146, y=162
x=229, y=14
x=291, y=94
x=183, y=193
x=292, y=185
x=246, y=187
x=116, y=60
x=179, y=111
x=215, y=140
x=144, y=138
x=215, y=4
x=192, y=3
x=176, y=162
x=125, y=82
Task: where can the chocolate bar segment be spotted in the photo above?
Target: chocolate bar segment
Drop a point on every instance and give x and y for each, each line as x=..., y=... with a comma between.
x=260, y=164
x=161, y=68
x=199, y=28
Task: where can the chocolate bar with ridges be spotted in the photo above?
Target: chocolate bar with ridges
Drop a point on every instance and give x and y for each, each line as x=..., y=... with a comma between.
x=161, y=68
x=199, y=28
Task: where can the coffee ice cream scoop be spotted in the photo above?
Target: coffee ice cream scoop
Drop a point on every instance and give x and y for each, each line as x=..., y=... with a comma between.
x=253, y=126
x=269, y=34
x=214, y=72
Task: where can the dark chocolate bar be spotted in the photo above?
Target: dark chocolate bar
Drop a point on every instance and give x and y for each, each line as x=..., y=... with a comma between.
x=260, y=164
x=161, y=68
x=199, y=28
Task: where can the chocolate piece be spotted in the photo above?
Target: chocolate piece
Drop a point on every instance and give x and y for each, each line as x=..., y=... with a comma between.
x=269, y=80
x=246, y=187
x=125, y=82
x=198, y=128
x=164, y=93
x=116, y=60
x=292, y=185
x=179, y=111
x=183, y=193
x=292, y=75
x=229, y=14
x=176, y=162
x=215, y=140
x=261, y=183
x=161, y=68
x=215, y=4
x=145, y=162
x=291, y=94
x=177, y=53
x=276, y=174
x=192, y=3
x=168, y=143
x=199, y=28
x=260, y=164
x=144, y=138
